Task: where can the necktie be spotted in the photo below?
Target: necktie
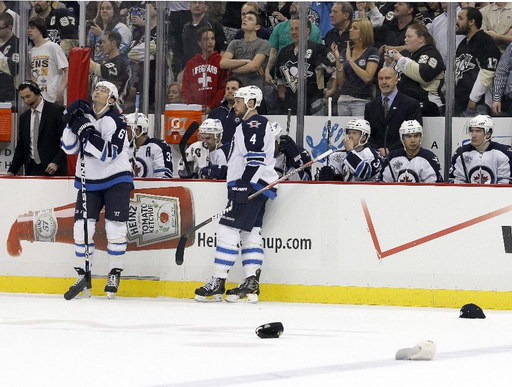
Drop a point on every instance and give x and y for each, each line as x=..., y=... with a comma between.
x=385, y=104
x=35, y=136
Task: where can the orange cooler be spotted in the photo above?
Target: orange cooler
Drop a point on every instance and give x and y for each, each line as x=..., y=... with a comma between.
x=5, y=121
x=177, y=119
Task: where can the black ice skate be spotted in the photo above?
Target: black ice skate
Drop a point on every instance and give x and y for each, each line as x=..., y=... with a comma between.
x=211, y=291
x=114, y=277
x=247, y=291
x=82, y=284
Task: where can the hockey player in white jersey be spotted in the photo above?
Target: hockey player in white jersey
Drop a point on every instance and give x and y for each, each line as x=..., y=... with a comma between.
x=412, y=164
x=151, y=157
x=289, y=155
x=101, y=131
x=358, y=161
x=251, y=165
x=483, y=161
x=206, y=158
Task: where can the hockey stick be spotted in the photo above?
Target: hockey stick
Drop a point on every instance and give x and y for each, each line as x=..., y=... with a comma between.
x=183, y=143
x=184, y=237
x=288, y=121
x=329, y=124
x=137, y=104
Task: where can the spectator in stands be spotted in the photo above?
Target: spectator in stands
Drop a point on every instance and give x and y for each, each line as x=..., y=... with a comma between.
x=319, y=15
x=203, y=79
x=277, y=12
x=39, y=132
x=247, y=57
x=61, y=24
x=391, y=36
x=179, y=15
x=281, y=38
x=476, y=60
x=497, y=22
x=115, y=68
x=356, y=66
x=288, y=75
x=174, y=94
x=368, y=10
x=341, y=18
x=199, y=20
x=439, y=31
x=15, y=17
x=108, y=19
x=49, y=66
x=388, y=111
x=482, y=161
x=263, y=32
x=136, y=51
x=225, y=112
x=502, y=90
x=9, y=58
x=420, y=69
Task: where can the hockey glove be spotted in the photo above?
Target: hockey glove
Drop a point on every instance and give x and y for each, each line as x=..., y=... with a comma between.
x=327, y=174
x=82, y=127
x=288, y=147
x=76, y=109
x=214, y=172
x=239, y=193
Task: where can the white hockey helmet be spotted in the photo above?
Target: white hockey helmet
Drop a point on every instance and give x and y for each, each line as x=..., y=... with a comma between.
x=248, y=93
x=363, y=126
x=276, y=129
x=410, y=127
x=212, y=126
x=133, y=120
x=482, y=121
x=111, y=87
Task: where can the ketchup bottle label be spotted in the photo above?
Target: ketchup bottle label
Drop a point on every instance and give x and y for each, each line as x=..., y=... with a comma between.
x=153, y=219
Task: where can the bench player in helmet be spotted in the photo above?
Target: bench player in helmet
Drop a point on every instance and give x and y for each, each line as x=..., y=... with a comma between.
x=482, y=161
x=151, y=157
x=101, y=130
x=289, y=155
x=251, y=165
x=206, y=158
x=358, y=161
x=412, y=164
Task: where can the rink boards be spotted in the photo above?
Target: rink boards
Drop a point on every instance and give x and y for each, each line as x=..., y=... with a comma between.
x=383, y=244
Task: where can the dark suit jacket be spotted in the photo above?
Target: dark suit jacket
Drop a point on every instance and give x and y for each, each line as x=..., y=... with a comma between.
x=385, y=130
x=48, y=143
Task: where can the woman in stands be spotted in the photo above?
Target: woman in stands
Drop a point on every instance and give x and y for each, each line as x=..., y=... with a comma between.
x=356, y=64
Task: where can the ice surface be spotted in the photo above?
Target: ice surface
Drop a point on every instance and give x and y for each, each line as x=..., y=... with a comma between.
x=45, y=340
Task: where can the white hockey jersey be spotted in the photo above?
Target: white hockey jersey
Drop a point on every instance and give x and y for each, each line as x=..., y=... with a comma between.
x=251, y=157
x=492, y=166
x=363, y=165
x=422, y=168
x=107, y=158
x=199, y=156
x=153, y=159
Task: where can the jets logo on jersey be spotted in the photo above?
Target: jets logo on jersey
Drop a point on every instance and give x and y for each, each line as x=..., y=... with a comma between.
x=254, y=124
x=397, y=164
x=407, y=176
x=481, y=175
x=462, y=64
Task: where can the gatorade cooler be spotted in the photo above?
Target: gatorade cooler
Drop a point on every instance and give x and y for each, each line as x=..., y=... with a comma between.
x=5, y=121
x=177, y=119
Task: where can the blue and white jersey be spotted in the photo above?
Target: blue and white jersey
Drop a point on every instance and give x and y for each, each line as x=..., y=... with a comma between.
x=284, y=166
x=107, y=153
x=363, y=165
x=422, y=168
x=153, y=159
x=199, y=156
x=251, y=157
x=219, y=156
x=492, y=166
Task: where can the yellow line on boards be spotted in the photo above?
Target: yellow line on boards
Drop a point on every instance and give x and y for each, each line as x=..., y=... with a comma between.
x=283, y=293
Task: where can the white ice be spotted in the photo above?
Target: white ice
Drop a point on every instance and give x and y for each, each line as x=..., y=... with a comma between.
x=45, y=340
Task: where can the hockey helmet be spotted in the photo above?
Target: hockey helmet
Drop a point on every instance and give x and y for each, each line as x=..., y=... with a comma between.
x=482, y=121
x=248, y=93
x=113, y=93
x=410, y=127
x=133, y=120
x=276, y=130
x=361, y=125
x=211, y=126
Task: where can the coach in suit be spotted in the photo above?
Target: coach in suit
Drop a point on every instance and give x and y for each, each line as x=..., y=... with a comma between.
x=40, y=129
x=387, y=112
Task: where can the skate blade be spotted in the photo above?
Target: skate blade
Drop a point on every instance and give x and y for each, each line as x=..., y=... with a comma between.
x=86, y=293
x=249, y=298
x=214, y=298
x=110, y=295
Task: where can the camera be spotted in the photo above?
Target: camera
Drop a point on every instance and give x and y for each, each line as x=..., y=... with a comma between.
x=90, y=23
x=391, y=53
